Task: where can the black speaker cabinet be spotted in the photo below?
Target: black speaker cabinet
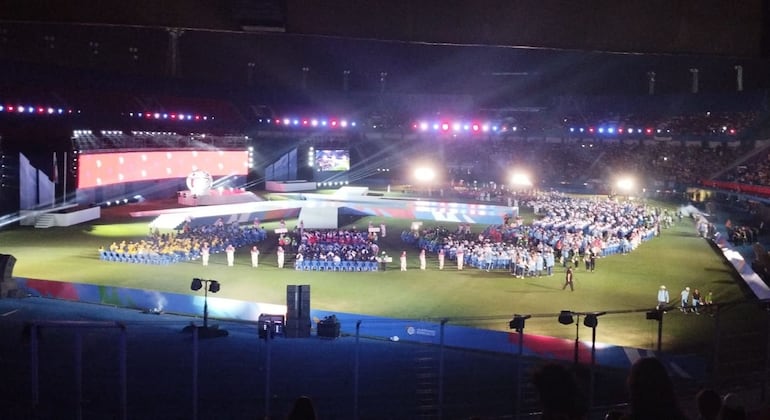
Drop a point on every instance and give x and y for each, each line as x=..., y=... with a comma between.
x=329, y=327
x=298, y=301
x=270, y=324
x=296, y=328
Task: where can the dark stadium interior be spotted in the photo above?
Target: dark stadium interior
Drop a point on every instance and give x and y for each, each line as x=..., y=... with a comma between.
x=674, y=91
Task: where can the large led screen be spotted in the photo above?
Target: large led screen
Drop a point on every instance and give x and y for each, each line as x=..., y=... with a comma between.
x=332, y=160
x=100, y=169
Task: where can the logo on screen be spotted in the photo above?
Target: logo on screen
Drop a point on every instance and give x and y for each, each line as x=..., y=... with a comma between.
x=199, y=182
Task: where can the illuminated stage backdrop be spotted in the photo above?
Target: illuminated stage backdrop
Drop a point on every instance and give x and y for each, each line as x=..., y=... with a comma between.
x=101, y=169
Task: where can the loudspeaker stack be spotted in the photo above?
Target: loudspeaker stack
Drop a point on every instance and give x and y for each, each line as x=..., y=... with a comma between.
x=297, y=311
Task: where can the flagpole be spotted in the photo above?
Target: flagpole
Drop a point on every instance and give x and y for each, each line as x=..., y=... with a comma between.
x=64, y=192
x=53, y=184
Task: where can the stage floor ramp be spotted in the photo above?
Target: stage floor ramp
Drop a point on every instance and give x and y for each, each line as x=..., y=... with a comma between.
x=319, y=217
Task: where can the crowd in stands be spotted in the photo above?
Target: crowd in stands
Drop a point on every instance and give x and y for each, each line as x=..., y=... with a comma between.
x=570, y=232
x=652, y=395
x=753, y=171
x=186, y=244
x=540, y=123
x=661, y=165
x=741, y=234
x=709, y=124
x=680, y=126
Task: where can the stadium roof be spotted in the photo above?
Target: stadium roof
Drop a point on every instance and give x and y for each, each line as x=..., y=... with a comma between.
x=633, y=26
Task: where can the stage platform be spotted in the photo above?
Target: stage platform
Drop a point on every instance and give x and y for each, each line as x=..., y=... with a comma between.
x=62, y=216
x=352, y=204
x=216, y=197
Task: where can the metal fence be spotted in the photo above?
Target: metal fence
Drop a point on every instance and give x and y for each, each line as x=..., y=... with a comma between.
x=146, y=367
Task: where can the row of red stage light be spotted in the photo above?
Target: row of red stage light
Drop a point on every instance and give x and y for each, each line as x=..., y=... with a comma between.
x=486, y=127
x=460, y=126
x=648, y=131
x=309, y=122
x=33, y=110
x=170, y=116
x=48, y=110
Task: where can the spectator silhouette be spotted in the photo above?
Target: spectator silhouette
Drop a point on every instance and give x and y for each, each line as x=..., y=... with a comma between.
x=732, y=408
x=561, y=398
x=651, y=392
x=303, y=409
x=709, y=403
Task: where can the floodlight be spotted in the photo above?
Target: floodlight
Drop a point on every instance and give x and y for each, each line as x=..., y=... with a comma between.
x=591, y=320
x=566, y=318
x=424, y=174
x=517, y=323
x=521, y=180
x=213, y=286
x=655, y=315
x=625, y=184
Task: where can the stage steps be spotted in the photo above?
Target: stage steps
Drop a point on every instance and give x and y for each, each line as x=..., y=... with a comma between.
x=349, y=191
x=44, y=221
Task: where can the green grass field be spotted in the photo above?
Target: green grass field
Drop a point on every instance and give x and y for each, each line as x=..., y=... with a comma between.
x=626, y=286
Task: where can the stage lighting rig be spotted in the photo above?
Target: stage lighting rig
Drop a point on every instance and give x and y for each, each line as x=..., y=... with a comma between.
x=205, y=331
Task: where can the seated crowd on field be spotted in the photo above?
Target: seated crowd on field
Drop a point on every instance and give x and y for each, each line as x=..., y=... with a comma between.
x=569, y=231
x=337, y=245
x=185, y=244
x=332, y=249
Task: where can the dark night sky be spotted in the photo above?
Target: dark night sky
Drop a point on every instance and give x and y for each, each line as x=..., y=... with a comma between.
x=490, y=49
x=710, y=27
